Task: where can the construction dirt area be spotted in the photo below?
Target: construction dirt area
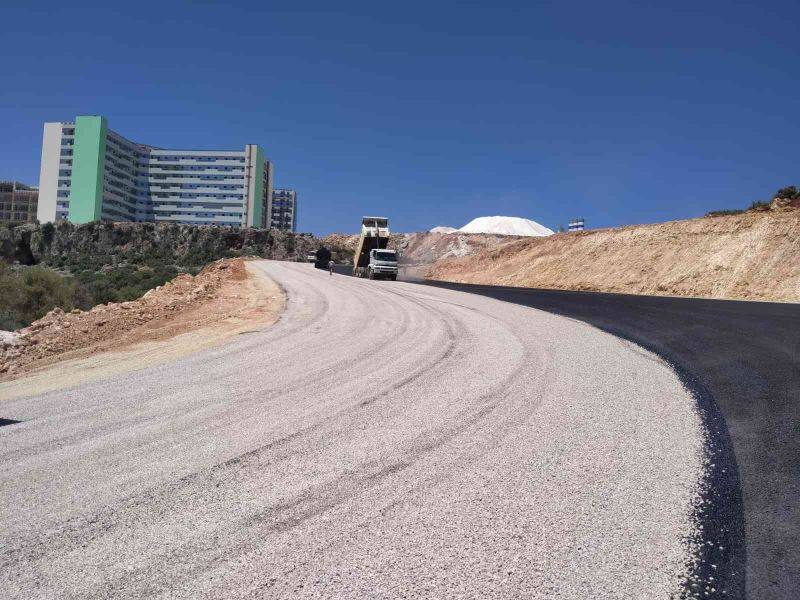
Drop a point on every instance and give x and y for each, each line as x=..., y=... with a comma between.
x=754, y=256
x=226, y=298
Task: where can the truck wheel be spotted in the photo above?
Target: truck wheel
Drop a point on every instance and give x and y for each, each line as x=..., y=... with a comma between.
x=393, y=277
x=371, y=275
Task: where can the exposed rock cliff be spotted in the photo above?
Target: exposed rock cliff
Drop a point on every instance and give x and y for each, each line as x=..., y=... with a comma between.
x=184, y=245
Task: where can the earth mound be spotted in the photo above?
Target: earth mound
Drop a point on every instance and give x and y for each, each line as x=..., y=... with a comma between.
x=177, y=306
x=506, y=226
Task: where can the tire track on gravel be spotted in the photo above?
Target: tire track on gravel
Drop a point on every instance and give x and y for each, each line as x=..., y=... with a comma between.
x=443, y=439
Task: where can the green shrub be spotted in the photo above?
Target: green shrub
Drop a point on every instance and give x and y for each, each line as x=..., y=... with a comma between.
x=790, y=192
x=11, y=224
x=198, y=256
x=29, y=294
x=44, y=289
x=10, y=294
x=123, y=283
x=48, y=230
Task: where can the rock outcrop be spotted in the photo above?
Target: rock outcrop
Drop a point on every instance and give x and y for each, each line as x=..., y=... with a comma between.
x=180, y=244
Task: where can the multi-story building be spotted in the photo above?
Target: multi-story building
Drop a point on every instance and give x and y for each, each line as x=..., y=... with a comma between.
x=89, y=173
x=17, y=201
x=284, y=210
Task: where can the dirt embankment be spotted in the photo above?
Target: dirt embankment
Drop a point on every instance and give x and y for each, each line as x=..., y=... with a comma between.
x=755, y=255
x=345, y=241
x=425, y=248
x=223, y=298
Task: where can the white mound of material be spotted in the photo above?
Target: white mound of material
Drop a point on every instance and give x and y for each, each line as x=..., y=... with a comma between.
x=506, y=226
x=443, y=229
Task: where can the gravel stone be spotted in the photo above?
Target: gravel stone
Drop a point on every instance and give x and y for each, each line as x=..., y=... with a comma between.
x=381, y=440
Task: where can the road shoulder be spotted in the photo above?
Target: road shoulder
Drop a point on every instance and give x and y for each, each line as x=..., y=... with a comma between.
x=241, y=306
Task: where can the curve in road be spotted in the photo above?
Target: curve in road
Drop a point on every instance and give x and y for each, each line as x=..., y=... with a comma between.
x=743, y=360
x=381, y=438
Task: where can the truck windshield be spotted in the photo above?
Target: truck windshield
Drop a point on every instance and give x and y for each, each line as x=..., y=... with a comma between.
x=390, y=256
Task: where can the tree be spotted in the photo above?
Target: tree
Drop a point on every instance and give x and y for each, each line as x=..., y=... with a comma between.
x=790, y=192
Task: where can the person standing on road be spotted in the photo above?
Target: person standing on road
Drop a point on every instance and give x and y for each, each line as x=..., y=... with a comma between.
x=331, y=264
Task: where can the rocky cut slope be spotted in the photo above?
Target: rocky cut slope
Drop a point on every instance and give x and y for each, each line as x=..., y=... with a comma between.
x=183, y=245
x=425, y=248
x=417, y=249
x=754, y=255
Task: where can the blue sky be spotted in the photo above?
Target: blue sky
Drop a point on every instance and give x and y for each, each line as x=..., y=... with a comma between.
x=433, y=113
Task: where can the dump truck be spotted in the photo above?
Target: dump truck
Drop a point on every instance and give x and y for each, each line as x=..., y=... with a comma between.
x=322, y=258
x=372, y=259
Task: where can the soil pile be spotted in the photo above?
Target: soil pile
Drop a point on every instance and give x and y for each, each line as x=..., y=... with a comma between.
x=184, y=302
x=506, y=226
x=755, y=255
x=341, y=240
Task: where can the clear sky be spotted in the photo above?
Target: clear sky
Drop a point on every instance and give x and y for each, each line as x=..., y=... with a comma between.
x=432, y=113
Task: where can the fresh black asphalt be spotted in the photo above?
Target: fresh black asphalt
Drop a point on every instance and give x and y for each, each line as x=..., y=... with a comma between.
x=742, y=359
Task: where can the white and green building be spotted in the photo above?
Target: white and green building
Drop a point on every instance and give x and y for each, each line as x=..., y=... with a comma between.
x=90, y=173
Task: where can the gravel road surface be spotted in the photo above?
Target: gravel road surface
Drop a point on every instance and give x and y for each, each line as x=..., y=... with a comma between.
x=383, y=439
x=743, y=358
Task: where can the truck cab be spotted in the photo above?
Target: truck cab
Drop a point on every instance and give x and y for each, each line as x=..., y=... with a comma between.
x=382, y=264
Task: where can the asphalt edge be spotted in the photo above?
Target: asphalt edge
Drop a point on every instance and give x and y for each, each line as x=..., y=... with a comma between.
x=720, y=556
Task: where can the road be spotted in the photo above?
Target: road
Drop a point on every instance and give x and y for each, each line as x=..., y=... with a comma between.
x=744, y=359
x=381, y=439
